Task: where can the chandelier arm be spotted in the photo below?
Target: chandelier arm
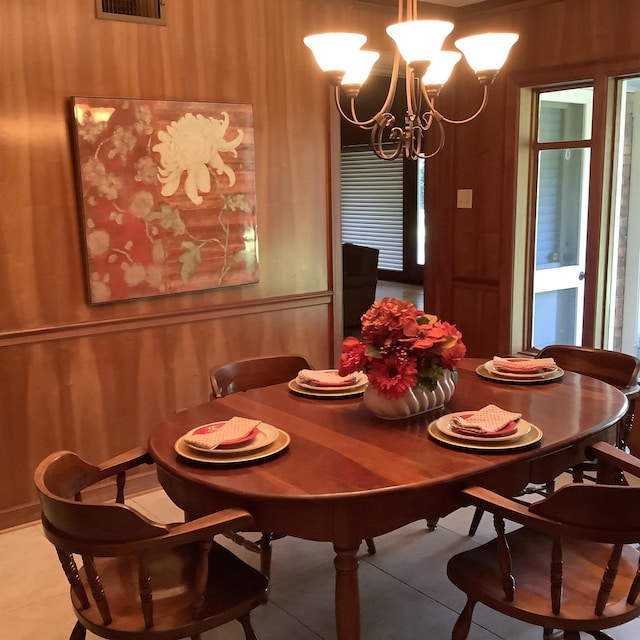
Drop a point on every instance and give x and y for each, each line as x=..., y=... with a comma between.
x=396, y=135
x=426, y=156
x=485, y=96
x=364, y=124
x=391, y=94
x=410, y=92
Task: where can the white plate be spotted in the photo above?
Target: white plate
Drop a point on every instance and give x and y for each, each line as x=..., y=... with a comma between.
x=483, y=372
x=444, y=426
x=282, y=442
x=267, y=434
x=487, y=445
x=316, y=392
x=361, y=378
x=518, y=376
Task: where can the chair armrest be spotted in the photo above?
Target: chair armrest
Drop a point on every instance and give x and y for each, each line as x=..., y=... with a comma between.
x=231, y=519
x=125, y=461
x=509, y=509
x=611, y=455
x=178, y=535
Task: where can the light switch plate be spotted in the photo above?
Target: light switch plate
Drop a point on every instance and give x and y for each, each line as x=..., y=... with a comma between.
x=465, y=198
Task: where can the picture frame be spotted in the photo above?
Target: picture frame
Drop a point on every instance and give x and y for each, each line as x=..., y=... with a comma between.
x=167, y=196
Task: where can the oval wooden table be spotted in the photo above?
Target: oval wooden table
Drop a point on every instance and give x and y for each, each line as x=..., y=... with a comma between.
x=347, y=476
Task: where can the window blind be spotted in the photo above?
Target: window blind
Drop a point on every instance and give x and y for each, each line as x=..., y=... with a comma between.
x=372, y=205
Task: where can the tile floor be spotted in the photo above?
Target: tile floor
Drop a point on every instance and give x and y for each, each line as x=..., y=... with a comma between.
x=404, y=590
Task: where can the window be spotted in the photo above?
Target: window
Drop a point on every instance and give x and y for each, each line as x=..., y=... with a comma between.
x=372, y=205
x=561, y=159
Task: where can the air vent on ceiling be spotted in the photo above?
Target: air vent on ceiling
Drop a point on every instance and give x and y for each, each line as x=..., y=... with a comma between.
x=147, y=11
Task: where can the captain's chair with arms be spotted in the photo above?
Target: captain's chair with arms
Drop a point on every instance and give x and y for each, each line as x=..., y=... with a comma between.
x=140, y=579
x=573, y=566
x=613, y=367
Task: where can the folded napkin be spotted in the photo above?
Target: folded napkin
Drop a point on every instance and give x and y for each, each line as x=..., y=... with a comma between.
x=524, y=365
x=325, y=378
x=233, y=429
x=489, y=419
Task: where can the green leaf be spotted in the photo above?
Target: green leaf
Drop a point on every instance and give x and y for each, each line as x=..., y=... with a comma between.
x=169, y=219
x=190, y=257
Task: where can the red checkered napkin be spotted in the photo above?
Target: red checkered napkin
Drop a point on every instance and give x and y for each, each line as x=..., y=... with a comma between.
x=524, y=365
x=325, y=378
x=233, y=429
x=489, y=419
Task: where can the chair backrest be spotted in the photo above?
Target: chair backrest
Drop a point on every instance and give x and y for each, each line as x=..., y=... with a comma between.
x=252, y=373
x=618, y=369
x=60, y=480
x=360, y=261
x=136, y=574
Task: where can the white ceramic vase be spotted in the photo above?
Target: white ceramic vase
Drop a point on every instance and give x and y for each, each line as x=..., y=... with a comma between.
x=415, y=401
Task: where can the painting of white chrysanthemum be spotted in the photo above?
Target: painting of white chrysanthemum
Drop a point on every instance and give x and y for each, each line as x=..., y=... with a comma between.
x=167, y=195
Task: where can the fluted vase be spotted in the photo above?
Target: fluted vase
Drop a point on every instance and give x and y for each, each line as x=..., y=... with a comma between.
x=413, y=402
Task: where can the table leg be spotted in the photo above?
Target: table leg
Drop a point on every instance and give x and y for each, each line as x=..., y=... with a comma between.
x=347, y=593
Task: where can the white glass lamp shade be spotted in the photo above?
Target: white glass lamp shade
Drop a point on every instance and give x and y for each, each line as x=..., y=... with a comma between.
x=333, y=51
x=419, y=40
x=487, y=51
x=440, y=68
x=360, y=65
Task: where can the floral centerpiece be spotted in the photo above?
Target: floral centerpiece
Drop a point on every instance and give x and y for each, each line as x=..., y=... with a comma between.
x=402, y=348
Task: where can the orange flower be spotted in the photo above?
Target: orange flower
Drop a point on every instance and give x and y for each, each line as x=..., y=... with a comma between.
x=401, y=347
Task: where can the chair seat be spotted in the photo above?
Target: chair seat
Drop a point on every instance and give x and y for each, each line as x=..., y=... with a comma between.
x=477, y=573
x=242, y=589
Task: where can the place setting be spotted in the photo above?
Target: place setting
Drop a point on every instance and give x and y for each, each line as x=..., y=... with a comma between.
x=233, y=441
x=490, y=429
x=328, y=383
x=520, y=370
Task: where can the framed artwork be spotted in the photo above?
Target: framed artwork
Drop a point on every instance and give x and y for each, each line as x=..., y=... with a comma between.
x=167, y=196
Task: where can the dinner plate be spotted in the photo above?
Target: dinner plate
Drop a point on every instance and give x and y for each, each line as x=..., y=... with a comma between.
x=483, y=372
x=316, y=392
x=488, y=445
x=360, y=379
x=443, y=425
x=266, y=435
x=489, y=366
x=279, y=444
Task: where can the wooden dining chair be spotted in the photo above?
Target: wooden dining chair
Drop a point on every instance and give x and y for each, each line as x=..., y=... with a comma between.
x=573, y=566
x=618, y=369
x=140, y=579
x=253, y=373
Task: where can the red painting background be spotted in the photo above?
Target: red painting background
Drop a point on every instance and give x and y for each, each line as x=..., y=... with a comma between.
x=170, y=244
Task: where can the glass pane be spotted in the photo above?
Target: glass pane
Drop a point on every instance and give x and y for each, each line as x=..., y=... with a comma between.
x=562, y=201
x=624, y=306
x=557, y=309
x=565, y=115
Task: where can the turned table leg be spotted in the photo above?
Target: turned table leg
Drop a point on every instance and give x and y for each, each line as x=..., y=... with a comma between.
x=347, y=593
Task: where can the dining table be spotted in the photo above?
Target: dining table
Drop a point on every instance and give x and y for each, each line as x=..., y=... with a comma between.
x=343, y=475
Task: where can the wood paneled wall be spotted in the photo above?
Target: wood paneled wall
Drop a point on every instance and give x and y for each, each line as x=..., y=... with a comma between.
x=96, y=379
x=469, y=279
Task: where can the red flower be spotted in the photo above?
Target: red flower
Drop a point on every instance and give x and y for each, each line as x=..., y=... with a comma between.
x=352, y=358
x=450, y=357
x=393, y=376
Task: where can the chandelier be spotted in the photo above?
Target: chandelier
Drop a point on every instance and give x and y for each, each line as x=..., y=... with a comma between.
x=427, y=68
